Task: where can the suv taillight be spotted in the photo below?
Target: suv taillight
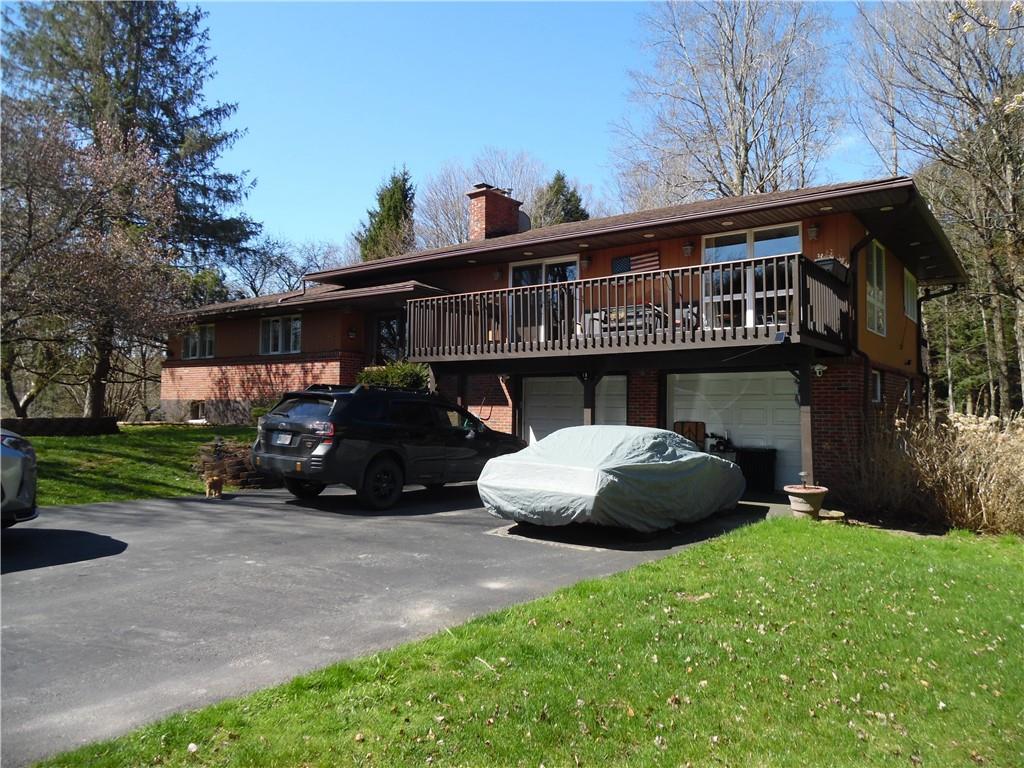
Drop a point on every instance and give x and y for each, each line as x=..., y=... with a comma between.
x=322, y=428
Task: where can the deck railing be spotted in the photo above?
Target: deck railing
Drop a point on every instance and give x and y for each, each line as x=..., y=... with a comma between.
x=729, y=303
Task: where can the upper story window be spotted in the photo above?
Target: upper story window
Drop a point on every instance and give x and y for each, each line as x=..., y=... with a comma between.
x=198, y=343
x=909, y=295
x=876, y=289
x=752, y=244
x=281, y=335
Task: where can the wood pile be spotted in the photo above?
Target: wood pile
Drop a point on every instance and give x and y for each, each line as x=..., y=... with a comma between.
x=230, y=461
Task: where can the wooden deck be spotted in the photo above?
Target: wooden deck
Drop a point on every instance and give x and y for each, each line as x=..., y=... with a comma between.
x=738, y=303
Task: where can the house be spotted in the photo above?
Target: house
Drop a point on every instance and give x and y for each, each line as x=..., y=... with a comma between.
x=781, y=320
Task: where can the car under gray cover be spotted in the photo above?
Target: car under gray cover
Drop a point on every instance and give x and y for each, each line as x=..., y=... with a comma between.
x=630, y=477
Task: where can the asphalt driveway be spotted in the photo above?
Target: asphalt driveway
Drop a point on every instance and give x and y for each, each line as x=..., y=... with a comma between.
x=117, y=614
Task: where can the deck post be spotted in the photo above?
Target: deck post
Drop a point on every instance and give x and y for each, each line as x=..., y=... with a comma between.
x=589, y=381
x=460, y=390
x=806, y=432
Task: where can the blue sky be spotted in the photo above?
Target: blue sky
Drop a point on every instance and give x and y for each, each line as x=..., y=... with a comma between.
x=334, y=95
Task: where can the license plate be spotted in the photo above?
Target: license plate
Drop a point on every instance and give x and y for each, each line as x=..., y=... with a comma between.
x=282, y=438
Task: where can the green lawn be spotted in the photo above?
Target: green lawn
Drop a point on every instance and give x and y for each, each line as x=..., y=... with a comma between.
x=139, y=463
x=787, y=643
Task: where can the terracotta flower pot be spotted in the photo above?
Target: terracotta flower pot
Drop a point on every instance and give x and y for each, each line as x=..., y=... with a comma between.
x=806, y=500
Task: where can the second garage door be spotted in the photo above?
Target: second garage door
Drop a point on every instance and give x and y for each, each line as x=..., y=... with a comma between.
x=554, y=402
x=755, y=409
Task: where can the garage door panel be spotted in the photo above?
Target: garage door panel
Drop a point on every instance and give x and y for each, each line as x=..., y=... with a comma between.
x=550, y=404
x=756, y=409
x=611, y=400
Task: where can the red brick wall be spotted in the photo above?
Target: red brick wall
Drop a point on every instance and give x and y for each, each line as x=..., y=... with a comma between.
x=236, y=385
x=488, y=397
x=642, y=398
x=837, y=420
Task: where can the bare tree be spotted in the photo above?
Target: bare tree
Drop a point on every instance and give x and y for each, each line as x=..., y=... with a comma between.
x=950, y=77
x=737, y=101
x=442, y=209
x=275, y=265
x=83, y=257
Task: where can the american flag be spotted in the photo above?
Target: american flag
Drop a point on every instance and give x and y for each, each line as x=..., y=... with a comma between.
x=641, y=262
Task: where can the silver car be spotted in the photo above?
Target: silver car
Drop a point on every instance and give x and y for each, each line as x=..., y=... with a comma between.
x=18, y=476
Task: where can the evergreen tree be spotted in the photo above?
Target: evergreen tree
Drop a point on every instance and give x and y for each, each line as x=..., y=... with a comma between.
x=557, y=203
x=141, y=68
x=388, y=230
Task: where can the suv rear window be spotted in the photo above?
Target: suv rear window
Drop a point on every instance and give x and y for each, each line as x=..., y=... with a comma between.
x=317, y=409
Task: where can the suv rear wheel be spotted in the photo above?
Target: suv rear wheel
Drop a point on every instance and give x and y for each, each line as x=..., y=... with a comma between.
x=303, y=489
x=382, y=484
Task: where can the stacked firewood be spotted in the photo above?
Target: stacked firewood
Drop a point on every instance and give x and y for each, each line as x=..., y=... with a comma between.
x=230, y=461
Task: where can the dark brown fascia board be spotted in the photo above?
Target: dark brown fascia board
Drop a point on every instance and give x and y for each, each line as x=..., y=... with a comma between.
x=896, y=183
x=946, y=247
x=339, y=297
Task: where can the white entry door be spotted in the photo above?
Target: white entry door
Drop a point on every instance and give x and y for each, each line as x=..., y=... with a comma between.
x=755, y=409
x=551, y=403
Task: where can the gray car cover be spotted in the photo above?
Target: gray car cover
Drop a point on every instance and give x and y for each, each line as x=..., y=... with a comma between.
x=631, y=477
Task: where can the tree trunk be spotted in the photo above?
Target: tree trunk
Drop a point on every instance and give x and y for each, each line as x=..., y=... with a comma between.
x=950, y=399
x=1002, y=406
x=988, y=351
x=96, y=387
x=1019, y=332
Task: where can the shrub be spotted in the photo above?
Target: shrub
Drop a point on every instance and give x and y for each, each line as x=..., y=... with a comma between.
x=258, y=410
x=399, y=373
x=967, y=472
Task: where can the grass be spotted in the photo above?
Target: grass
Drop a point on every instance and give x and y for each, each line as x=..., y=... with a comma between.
x=784, y=644
x=142, y=462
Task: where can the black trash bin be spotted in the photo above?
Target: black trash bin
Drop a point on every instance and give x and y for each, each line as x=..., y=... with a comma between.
x=758, y=467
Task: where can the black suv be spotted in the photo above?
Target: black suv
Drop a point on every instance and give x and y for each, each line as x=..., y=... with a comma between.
x=373, y=439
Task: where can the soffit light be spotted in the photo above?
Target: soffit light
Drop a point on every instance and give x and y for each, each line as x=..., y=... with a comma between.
x=471, y=261
x=527, y=253
x=727, y=223
x=648, y=235
x=915, y=243
x=825, y=208
x=885, y=208
x=582, y=245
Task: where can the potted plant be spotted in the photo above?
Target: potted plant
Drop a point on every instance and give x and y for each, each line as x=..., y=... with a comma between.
x=805, y=500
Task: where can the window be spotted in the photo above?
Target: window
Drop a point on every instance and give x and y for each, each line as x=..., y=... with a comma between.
x=198, y=343
x=909, y=295
x=749, y=294
x=908, y=392
x=388, y=342
x=281, y=335
x=876, y=289
x=197, y=410
x=304, y=408
x=876, y=386
x=414, y=413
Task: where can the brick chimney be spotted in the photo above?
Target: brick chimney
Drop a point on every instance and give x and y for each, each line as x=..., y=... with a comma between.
x=492, y=212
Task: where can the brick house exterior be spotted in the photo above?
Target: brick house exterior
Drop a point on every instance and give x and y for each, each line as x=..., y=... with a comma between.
x=787, y=320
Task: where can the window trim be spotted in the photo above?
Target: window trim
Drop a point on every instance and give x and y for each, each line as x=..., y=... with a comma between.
x=282, y=350
x=750, y=241
x=204, y=351
x=910, y=307
x=876, y=247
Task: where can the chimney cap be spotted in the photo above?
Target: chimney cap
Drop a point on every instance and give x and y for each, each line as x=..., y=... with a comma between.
x=483, y=188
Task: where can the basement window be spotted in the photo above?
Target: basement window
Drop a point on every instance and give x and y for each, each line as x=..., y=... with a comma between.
x=876, y=386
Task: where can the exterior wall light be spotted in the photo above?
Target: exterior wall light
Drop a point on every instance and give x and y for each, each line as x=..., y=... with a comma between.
x=585, y=262
x=351, y=333
x=812, y=231
x=687, y=250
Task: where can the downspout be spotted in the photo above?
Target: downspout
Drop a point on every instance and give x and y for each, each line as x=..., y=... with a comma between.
x=928, y=296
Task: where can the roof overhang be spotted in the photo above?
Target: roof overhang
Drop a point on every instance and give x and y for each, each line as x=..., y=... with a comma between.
x=871, y=201
x=376, y=297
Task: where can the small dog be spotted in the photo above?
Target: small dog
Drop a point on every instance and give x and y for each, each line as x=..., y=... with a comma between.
x=214, y=486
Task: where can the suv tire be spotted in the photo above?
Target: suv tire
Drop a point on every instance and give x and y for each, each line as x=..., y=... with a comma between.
x=382, y=484
x=303, y=489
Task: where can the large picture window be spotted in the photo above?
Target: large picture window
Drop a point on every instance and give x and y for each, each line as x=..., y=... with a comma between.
x=198, y=343
x=876, y=289
x=281, y=335
x=752, y=293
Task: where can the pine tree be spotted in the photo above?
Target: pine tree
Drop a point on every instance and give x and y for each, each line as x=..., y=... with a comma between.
x=557, y=203
x=140, y=67
x=388, y=230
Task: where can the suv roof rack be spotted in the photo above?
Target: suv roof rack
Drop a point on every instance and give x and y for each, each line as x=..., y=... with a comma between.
x=353, y=388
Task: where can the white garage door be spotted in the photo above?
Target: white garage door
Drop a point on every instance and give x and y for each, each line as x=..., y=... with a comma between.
x=610, y=402
x=551, y=403
x=755, y=409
